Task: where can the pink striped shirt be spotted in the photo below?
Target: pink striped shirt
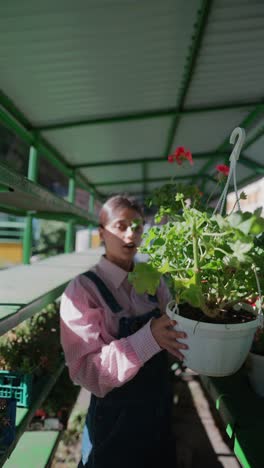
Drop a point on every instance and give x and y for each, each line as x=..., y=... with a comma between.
x=96, y=359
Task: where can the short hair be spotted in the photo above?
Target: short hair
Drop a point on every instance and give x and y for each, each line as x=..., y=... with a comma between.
x=115, y=203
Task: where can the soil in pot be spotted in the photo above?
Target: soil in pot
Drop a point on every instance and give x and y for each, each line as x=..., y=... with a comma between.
x=228, y=316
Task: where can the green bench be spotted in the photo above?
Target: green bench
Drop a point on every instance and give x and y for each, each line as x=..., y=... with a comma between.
x=34, y=450
x=242, y=413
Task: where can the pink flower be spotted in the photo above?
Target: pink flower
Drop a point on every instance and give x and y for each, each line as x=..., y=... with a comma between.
x=223, y=169
x=179, y=155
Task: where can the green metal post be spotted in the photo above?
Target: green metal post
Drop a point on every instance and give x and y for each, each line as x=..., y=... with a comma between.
x=69, y=239
x=91, y=210
x=32, y=175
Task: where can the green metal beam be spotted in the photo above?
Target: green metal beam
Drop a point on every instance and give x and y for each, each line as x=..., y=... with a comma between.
x=118, y=162
x=13, y=125
x=8, y=104
x=246, y=123
x=91, y=210
x=153, y=179
x=252, y=140
x=69, y=239
x=15, y=121
x=142, y=115
x=24, y=311
x=252, y=164
x=38, y=199
x=28, y=232
x=199, y=28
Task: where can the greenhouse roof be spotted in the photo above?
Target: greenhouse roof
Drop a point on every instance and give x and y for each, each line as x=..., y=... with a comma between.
x=113, y=87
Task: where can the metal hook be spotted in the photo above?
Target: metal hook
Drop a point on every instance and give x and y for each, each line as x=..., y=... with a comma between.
x=237, y=138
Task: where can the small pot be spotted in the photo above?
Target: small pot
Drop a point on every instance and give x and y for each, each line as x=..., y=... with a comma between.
x=256, y=373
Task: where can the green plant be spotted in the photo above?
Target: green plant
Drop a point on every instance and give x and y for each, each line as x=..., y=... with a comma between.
x=33, y=346
x=212, y=260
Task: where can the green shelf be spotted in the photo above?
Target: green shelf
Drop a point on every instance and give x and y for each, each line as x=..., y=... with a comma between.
x=242, y=413
x=34, y=450
x=39, y=284
x=19, y=195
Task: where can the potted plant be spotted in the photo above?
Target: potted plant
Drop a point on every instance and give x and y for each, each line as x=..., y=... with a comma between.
x=28, y=353
x=215, y=264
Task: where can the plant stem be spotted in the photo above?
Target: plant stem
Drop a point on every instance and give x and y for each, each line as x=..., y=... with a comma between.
x=197, y=279
x=197, y=276
x=222, y=251
x=216, y=234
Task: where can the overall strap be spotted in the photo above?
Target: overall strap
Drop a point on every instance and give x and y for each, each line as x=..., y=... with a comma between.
x=104, y=291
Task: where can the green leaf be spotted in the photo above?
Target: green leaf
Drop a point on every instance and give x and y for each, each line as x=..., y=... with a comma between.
x=247, y=222
x=144, y=278
x=159, y=241
x=192, y=295
x=258, y=226
x=240, y=249
x=166, y=268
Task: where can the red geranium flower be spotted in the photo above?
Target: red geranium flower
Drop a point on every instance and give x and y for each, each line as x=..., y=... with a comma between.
x=40, y=413
x=223, y=169
x=179, y=155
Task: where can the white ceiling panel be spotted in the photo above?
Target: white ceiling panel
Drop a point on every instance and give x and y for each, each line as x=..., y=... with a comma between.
x=105, y=142
x=209, y=130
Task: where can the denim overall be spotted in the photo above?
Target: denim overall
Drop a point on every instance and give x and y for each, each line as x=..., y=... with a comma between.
x=130, y=427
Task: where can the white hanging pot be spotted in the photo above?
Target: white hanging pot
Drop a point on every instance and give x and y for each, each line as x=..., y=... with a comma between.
x=216, y=350
x=256, y=373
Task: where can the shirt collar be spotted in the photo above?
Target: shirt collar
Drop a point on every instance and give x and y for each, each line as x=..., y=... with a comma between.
x=112, y=272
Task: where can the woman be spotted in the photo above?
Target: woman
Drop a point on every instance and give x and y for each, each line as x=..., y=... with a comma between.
x=115, y=343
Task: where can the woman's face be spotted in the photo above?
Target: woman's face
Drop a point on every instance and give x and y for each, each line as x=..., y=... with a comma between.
x=122, y=235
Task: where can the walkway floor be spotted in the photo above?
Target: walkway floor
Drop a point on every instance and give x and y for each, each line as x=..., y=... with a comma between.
x=199, y=441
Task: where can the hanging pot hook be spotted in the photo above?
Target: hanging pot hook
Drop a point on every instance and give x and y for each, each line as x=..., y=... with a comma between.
x=237, y=138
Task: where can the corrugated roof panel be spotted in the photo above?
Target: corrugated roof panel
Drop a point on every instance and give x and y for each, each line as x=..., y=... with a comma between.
x=230, y=66
x=105, y=142
x=113, y=173
x=166, y=169
x=75, y=59
x=257, y=125
x=206, y=131
x=256, y=151
x=124, y=188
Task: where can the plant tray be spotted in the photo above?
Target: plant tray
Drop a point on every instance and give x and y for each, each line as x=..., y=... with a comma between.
x=16, y=385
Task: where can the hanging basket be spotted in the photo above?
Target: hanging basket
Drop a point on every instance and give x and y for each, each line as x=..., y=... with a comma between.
x=215, y=350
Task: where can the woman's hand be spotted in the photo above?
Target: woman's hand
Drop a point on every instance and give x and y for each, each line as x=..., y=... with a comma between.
x=166, y=337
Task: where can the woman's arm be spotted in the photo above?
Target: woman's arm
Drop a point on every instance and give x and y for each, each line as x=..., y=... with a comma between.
x=96, y=360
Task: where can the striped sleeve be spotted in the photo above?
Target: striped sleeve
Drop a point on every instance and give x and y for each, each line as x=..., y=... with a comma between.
x=96, y=360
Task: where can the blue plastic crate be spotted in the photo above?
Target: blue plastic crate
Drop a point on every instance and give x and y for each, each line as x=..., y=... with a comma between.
x=7, y=422
x=16, y=385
